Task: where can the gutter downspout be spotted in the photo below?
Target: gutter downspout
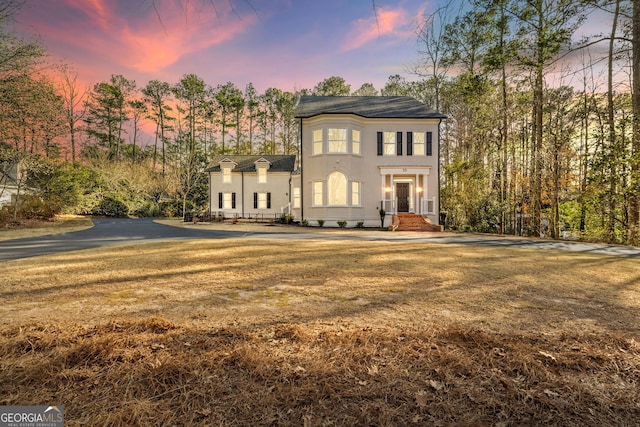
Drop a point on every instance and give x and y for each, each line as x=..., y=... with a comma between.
x=242, y=196
x=301, y=176
x=439, y=185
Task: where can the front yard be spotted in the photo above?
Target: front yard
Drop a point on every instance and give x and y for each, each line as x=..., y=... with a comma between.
x=251, y=332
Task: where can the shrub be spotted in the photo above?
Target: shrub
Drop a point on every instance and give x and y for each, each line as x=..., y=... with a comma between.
x=320, y=222
x=342, y=224
x=360, y=224
x=173, y=208
x=286, y=218
x=148, y=209
x=35, y=207
x=304, y=223
x=110, y=206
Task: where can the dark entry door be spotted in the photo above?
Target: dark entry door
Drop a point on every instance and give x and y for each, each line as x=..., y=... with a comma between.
x=402, y=193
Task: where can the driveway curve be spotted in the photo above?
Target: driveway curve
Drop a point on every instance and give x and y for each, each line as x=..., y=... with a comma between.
x=105, y=232
x=121, y=231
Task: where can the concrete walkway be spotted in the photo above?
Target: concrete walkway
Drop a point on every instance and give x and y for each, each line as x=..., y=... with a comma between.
x=111, y=232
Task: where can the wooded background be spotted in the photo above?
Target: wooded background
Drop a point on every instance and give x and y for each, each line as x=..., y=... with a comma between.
x=542, y=136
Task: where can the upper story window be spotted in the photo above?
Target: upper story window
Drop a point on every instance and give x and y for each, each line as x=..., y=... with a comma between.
x=355, y=141
x=226, y=175
x=262, y=175
x=418, y=144
x=317, y=141
x=337, y=140
x=389, y=143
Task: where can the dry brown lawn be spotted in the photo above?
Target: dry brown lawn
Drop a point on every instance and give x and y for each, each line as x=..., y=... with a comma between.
x=33, y=228
x=331, y=333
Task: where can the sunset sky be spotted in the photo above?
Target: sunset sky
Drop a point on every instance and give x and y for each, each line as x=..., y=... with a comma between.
x=288, y=44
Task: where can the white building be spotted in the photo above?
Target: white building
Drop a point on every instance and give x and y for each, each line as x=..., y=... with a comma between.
x=250, y=186
x=361, y=154
x=358, y=155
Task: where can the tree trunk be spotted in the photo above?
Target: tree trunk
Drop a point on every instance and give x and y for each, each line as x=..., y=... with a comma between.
x=634, y=201
x=613, y=151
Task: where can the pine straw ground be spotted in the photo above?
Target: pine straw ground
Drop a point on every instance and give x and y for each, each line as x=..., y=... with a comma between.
x=335, y=333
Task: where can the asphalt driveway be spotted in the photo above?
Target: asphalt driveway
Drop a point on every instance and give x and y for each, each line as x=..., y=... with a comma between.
x=105, y=232
x=120, y=231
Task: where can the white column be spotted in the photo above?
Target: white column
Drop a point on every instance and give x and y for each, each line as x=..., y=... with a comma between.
x=416, y=197
x=392, y=195
x=384, y=191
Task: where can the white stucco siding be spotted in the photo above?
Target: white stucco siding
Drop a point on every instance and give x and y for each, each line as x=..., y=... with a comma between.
x=371, y=171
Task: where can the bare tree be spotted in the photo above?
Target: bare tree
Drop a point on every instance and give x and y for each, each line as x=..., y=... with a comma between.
x=74, y=104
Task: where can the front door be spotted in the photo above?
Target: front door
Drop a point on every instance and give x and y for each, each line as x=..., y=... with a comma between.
x=402, y=193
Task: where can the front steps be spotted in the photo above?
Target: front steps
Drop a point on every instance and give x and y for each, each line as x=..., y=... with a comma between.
x=413, y=222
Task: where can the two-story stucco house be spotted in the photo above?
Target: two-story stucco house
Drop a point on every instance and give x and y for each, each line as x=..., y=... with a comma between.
x=362, y=154
x=250, y=186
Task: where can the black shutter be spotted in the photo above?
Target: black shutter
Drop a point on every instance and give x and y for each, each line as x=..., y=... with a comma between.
x=399, y=143
x=268, y=200
x=379, y=143
x=233, y=200
x=429, y=143
x=255, y=200
x=219, y=200
x=409, y=143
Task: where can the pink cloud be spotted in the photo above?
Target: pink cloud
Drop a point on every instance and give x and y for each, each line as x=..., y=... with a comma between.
x=386, y=22
x=141, y=40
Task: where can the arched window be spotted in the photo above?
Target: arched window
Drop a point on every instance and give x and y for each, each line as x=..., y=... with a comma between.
x=337, y=186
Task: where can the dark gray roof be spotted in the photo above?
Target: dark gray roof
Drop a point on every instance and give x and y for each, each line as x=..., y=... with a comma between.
x=375, y=107
x=279, y=163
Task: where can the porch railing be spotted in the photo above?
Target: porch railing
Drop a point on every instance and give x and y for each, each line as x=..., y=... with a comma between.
x=428, y=206
x=286, y=209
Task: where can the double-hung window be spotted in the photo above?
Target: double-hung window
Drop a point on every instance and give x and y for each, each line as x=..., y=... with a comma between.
x=355, y=141
x=262, y=200
x=318, y=189
x=389, y=143
x=226, y=200
x=226, y=175
x=355, y=193
x=296, y=197
x=418, y=144
x=262, y=175
x=337, y=140
x=317, y=141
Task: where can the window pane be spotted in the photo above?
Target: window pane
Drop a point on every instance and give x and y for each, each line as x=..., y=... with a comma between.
x=262, y=175
x=418, y=143
x=317, y=193
x=262, y=200
x=296, y=197
x=226, y=175
x=337, y=140
x=355, y=193
x=317, y=141
x=389, y=140
x=226, y=201
x=355, y=141
x=337, y=189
